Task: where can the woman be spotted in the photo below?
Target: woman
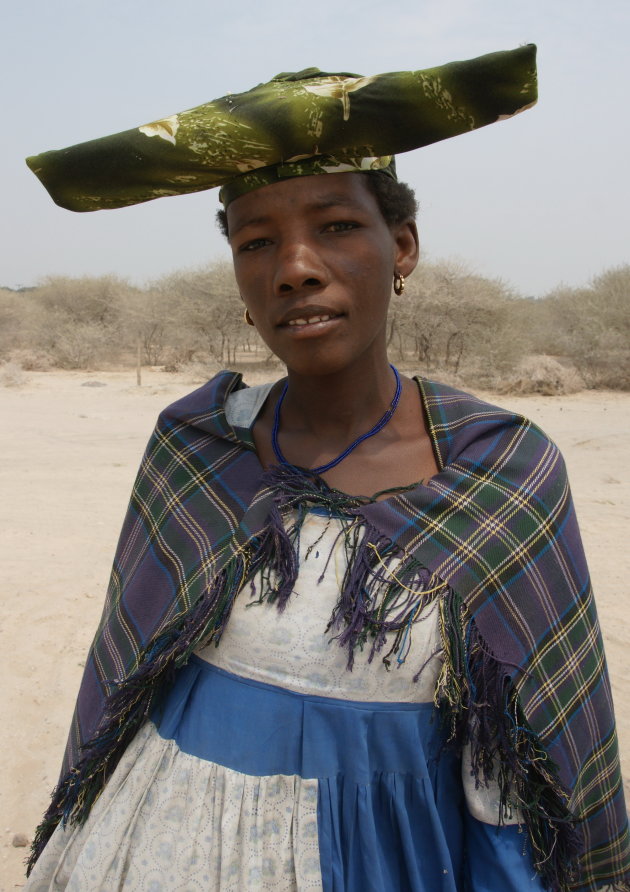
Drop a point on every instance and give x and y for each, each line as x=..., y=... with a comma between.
x=431, y=683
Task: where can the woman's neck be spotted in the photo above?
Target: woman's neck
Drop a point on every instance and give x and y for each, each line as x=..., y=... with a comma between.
x=340, y=405
x=322, y=416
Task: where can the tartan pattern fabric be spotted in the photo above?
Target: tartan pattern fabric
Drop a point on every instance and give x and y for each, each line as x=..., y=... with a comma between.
x=496, y=523
x=186, y=514
x=499, y=526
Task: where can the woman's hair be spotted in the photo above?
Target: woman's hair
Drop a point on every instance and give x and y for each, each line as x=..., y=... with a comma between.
x=396, y=201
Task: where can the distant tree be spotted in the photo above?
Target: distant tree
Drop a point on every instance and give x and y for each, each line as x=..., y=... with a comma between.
x=210, y=313
x=590, y=326
x=454, y=320
x=10, y=322
x=72, y=321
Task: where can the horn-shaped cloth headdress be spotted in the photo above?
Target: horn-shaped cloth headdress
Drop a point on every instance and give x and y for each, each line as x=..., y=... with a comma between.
x=294, y=125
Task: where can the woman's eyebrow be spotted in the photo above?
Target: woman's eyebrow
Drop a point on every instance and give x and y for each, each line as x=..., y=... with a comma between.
x=329, y=201
x=248, y=221
x=334, y=201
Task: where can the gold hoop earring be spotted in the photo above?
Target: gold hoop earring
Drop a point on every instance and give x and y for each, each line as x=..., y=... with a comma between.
x=399, y=283
x=248, y=319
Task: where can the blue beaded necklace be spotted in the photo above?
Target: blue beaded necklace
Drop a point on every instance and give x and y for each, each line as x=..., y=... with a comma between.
x=380, y=424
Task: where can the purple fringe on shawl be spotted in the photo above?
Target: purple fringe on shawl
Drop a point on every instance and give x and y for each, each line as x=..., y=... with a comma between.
x=476, y=687
x=374, y=601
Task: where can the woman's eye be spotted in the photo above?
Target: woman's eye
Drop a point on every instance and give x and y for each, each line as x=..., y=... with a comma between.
x=254, y=244
x=341, y=226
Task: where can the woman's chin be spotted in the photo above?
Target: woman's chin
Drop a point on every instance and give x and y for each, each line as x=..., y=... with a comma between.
x=326, y=348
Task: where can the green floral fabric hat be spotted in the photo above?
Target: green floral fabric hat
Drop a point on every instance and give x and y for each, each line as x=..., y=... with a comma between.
x=294, y=125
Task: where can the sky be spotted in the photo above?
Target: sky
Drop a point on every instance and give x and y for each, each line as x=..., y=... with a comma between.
x=539, y=201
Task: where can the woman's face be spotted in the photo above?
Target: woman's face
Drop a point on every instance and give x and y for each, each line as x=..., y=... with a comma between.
x=314, y=261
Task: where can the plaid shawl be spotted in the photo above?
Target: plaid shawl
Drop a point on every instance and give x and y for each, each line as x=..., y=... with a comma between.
x=524, y=677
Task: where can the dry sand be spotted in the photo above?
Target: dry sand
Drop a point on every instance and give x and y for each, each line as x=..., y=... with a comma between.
x=69, y=457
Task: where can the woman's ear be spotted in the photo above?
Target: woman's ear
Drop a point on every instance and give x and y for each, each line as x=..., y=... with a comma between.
x=407, y=246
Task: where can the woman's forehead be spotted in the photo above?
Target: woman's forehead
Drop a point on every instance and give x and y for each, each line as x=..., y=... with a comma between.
x=302, y=195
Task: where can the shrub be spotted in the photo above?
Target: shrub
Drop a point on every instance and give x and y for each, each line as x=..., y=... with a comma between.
x=543, y=375
x=12, y=375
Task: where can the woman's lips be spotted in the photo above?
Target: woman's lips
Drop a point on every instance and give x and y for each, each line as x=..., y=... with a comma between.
x=311, y=324
x=310, y=320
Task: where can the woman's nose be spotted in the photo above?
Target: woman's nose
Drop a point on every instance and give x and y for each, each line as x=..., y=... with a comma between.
x=299, y=266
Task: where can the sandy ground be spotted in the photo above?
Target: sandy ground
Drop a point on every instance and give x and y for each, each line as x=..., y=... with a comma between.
x=69, y=454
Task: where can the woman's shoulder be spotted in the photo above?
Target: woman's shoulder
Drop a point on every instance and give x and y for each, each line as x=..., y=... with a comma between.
x=452, y=403
x=225, y=391
x=465, y=425
x=211, y=396
x=224, y=407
